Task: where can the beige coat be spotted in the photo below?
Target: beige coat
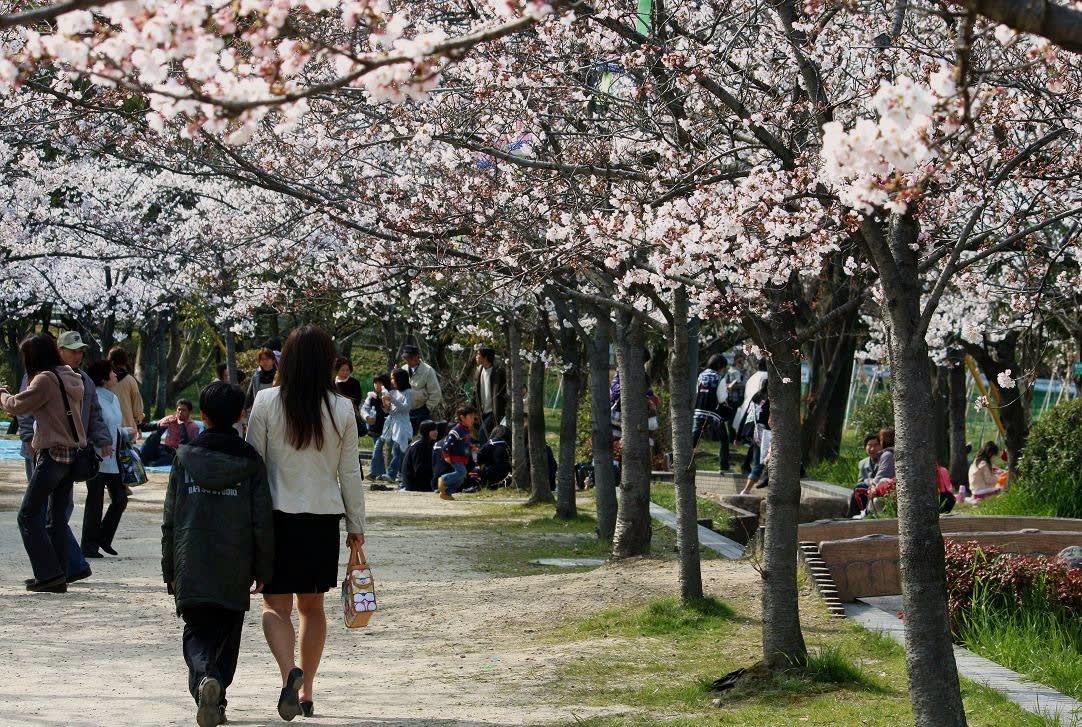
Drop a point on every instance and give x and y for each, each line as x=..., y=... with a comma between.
x=131, y=401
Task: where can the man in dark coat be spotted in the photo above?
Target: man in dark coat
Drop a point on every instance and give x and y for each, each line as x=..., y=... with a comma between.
x=489, y=390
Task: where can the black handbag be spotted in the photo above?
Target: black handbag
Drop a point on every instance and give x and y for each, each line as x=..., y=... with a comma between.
x=86, y=461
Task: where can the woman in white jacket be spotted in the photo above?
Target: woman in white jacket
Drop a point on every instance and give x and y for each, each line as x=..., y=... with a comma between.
x=307, y=435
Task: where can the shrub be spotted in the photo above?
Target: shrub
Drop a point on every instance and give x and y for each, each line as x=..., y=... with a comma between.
x=1010, y=582
x=1051, y=463
x=871, y=417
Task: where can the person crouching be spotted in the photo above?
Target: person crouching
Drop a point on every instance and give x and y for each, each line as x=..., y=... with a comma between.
x=217, y=539
x=456, y=453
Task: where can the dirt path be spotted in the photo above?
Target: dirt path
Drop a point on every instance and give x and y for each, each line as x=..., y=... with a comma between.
x=453, y=646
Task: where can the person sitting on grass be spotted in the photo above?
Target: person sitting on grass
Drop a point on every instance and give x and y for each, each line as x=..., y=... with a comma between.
x=983, y=475
x=177, y=429
x=456, y=453
x=417, y=464
x=858, y=500
x=217, y=541
x=494, y=459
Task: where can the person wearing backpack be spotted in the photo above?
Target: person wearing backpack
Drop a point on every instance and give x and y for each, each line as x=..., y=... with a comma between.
x=47, y=504
x=712, y=410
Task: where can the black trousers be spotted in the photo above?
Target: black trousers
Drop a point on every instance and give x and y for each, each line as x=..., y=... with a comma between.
x=99, y=531
x=417, y=416
x=211, y=645
x=43, y=517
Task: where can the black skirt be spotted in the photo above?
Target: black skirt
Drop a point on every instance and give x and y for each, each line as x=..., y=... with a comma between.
x=305, y=553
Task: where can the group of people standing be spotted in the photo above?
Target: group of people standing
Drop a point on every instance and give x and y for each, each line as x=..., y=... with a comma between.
x=62, y=411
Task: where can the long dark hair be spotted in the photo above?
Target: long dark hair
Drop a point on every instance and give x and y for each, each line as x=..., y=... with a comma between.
x=307, y=385
x=988, y=451
x=39, y=354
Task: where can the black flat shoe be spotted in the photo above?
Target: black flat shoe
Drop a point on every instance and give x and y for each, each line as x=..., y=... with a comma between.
x=92, y=554
x=109, y=549
x=308, y=709
x=81, y=575
x=58, y=584
x=289, y=701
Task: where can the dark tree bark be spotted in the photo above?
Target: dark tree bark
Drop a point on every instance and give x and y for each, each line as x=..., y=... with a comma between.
x=1060, y=24
x=941, y=414
x=571, y=355
x=519, y=468
x=959, y=465
x=540, y=492
x=783, y=640
x=831, y=371
x=687, y=518
x=231, y=354
x=933, y=675
x=633, y=530
x=601, y=426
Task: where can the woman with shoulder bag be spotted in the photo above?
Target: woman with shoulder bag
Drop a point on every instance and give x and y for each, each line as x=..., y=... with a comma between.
x=98, y=532
x=58, y=436
x=307, y=435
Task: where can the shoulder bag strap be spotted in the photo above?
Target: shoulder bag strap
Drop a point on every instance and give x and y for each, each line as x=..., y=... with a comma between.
x=67, y=408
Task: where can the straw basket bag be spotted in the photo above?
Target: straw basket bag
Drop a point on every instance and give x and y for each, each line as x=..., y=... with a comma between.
x=358, y=591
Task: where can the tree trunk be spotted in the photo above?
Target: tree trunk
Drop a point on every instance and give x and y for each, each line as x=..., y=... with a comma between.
x=831, y=372
x=633, y=530
x=519, y=468
x=601, y=427
x=231, y=353
x=959, y=465
x=680, y=412
x=566, y=507
x=150, y=344
x=540, y=491
x=783, y=640
x=933, y=675
x=161, y=397
x=940, y=414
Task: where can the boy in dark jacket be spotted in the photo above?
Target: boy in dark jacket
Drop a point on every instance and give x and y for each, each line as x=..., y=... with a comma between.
x=417, y=464
x=217, y=538
x=456, y=452
x=494, y=458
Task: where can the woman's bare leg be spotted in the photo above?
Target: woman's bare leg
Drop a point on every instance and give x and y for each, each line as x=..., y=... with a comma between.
x=278, y=630
x=313, y=637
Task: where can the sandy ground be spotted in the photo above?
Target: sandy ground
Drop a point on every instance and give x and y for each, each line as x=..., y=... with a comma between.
x=450, y=647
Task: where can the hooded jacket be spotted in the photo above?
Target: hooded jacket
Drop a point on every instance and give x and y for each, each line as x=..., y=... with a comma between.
x=217, y=530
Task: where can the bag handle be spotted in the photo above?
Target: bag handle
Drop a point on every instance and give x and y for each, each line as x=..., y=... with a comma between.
x=67, y=407
x=356, y=555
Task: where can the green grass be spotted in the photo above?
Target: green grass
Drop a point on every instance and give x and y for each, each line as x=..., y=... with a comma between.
x=841, y=471
x=1016, y=501
x=1043, y=645
x=653, y=663
x=664, y=494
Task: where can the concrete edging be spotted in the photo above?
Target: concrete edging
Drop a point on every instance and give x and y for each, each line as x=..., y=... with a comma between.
x=1030, y=696
x=718, y=543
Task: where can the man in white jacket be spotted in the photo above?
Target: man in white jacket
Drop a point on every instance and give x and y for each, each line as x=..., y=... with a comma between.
x=427, y=394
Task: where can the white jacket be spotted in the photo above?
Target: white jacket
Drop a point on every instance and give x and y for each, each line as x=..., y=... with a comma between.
x=322, y=482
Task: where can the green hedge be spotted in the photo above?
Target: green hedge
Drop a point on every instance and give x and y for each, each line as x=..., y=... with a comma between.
x=1051, y=465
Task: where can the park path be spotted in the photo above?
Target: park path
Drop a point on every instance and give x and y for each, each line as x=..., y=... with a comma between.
x=451, y=649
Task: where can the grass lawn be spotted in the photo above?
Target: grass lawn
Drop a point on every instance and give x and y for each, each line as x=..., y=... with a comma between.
x=515, y=534
x=656, y=662
x=664, y=494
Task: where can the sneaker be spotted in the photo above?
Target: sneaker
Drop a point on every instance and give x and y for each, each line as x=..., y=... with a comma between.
x=289, y=702
x=109, y=549
x=58, y=584
x=210, y=697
